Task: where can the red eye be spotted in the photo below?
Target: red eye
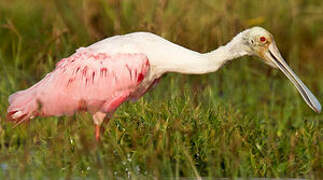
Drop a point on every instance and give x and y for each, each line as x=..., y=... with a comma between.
x=262, y=39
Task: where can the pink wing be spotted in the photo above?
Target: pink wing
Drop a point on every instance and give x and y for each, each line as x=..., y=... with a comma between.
x=84, y=81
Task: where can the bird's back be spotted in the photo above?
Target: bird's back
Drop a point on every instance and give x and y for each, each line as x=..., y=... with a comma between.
x=135, y=42
x=162, y=54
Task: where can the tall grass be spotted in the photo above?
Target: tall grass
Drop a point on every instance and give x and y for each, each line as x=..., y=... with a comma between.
x=245, y=120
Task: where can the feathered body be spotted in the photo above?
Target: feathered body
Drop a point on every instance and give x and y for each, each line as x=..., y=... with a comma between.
x=84, y=81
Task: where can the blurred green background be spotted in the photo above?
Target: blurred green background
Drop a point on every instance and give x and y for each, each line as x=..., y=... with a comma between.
x=245, y=120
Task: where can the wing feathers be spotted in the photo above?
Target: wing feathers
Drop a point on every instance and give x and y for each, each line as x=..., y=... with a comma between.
x=84, y=81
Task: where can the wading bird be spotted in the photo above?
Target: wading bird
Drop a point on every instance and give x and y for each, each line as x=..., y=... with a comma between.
x=102, y=76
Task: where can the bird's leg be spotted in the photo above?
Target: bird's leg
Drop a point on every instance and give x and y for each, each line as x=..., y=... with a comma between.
x=98, y=118
x=97, y=132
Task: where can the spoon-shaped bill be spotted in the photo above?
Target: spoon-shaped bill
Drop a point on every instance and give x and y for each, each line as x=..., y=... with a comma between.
x=273, y=55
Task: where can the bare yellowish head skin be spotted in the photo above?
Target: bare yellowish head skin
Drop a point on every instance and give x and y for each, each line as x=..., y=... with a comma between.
x=262, y=44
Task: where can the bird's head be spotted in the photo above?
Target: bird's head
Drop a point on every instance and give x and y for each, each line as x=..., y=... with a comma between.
x=259, y=42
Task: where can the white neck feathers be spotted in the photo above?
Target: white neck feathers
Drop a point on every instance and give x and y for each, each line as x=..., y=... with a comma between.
x=190, y=62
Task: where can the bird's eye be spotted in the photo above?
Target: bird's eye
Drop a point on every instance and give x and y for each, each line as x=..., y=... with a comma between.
x=262, y=39
x=252, y=41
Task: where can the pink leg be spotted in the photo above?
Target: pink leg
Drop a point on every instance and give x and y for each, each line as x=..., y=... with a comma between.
x=110, y=107
x=98, y=118
x=97, y=132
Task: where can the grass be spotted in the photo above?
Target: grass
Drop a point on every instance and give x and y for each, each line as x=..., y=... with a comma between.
x=244, y=120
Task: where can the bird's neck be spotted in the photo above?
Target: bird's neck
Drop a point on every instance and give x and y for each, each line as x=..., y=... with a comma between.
x=197, y=63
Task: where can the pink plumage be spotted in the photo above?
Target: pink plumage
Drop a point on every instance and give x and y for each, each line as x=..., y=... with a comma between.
x=94, y=82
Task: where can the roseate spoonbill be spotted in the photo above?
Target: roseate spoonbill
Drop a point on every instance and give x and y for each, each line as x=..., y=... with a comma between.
x=102, y=76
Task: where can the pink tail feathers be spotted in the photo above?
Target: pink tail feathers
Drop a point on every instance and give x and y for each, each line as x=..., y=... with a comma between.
x=23, y=105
